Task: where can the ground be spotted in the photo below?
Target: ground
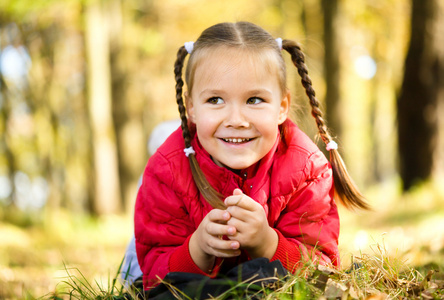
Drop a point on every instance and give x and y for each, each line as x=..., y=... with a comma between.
x=36, y=256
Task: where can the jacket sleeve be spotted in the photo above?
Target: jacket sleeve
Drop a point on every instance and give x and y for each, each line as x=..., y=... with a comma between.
x=308, y=227
x=162, y=225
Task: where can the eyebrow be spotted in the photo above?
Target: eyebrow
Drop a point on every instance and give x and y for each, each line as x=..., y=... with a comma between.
x=212, y=92
x=250, y=92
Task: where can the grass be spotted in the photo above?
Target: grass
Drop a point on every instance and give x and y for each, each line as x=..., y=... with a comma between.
x=77, y=286
x=34, y=259
x=393, y=252
x=375, y=276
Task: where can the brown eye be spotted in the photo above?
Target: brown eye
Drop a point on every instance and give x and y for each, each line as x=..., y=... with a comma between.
x=254, y=100
x=215, y=100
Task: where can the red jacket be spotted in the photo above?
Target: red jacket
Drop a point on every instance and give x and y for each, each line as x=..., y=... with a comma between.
x=293, y=183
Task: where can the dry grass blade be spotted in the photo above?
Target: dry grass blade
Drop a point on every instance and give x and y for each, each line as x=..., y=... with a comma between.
x=377, y=276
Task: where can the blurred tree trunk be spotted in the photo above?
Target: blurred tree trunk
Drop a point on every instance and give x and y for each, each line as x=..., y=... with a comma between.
x=4, y=138
x=119, y=87
x=53, y=160
x=304, y=17
x=422, y=90
x=331, y=66
x=107, y=186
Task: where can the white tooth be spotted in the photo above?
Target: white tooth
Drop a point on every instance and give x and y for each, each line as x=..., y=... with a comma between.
x=235, y=140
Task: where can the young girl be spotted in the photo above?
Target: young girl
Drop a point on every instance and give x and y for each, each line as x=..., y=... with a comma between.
x=239, y=180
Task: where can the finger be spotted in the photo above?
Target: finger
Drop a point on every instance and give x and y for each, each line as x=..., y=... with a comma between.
x=236, y=223
x=224, y=248
x=237, y=192
x=217, y=229
x=223, y=245
x=236, y=197
x=242, y=201
x=242, y=227
x=218, y=216
x=238, y=213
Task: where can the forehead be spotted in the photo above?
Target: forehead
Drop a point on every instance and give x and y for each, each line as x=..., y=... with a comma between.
x=226, y=61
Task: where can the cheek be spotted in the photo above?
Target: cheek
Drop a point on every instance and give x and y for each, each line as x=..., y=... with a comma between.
x=269, y=129
x=205, y=119
x=204, y=127
x=268, y=122
x=201, y=132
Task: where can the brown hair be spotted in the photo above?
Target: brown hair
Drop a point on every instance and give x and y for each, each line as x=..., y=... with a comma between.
x=250, y=37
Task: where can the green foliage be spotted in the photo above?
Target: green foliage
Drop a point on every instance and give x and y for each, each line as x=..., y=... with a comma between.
x=53, y=139
x=24, y=9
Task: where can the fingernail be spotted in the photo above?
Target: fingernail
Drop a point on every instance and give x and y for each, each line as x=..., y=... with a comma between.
x=226, y=215
x=234, y=245
x=231, y=230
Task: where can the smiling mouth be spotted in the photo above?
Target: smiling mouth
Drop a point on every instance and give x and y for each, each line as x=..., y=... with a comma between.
x=236, y=140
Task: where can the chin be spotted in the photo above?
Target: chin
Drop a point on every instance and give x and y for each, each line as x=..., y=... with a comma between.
x=239, y=163
x=238, y=166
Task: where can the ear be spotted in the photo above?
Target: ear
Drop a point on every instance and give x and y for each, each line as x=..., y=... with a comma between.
x=284, y=108
x=189, y=106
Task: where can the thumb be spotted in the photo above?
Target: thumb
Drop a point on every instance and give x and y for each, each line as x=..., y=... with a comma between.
x=237, y=192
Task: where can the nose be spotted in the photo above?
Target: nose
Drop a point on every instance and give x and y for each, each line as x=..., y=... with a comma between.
x=236, y=117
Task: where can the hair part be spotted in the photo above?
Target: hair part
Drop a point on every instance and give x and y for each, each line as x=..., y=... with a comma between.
x=249, y=37
x=242, y=36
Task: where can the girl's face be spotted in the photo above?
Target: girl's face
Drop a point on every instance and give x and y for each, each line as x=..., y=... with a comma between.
x=237, y=104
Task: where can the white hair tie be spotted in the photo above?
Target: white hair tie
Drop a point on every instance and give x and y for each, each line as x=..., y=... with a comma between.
x=332, y=145
x=279, y=42
x=189, y=151
x=189, y=47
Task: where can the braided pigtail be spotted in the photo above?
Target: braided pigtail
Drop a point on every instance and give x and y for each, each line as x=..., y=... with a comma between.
x=209, y=193
x=345, y=188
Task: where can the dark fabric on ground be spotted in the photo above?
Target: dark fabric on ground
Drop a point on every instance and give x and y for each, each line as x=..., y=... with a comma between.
x=254, y=275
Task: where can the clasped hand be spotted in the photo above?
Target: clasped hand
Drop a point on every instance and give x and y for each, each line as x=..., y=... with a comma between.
x=244, y=223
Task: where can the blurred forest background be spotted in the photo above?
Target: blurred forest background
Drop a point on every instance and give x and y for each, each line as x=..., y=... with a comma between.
x=84, y=82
